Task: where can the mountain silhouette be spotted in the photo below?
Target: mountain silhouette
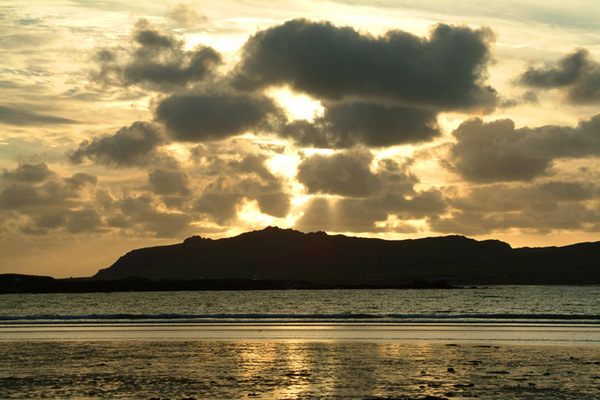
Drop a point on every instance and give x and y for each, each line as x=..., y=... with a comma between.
x=319, y=259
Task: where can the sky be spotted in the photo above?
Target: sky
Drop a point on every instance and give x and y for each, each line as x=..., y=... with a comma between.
x=134, y=124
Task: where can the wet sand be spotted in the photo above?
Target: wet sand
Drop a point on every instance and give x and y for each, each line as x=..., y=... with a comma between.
x=295, y=369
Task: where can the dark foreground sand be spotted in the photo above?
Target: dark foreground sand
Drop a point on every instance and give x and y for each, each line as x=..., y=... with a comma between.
x=295, y=369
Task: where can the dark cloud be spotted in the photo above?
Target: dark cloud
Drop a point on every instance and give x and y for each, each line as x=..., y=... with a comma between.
x=445, y=71
x=133, y=145
x=19, y=195
x=381, y=125
x=32, y=186
x=166, y=182
x=206, y=117
x=345, y=174
x=497, y=151
x=27, y=117
x=84, y=221
x=81, y=179
x=576, y=73
x=345, y=125
x=29, y=173
x=218, y=204
x=155, y=60
x=140, y=216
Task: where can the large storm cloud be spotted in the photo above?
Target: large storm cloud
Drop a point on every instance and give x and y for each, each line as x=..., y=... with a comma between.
x=445, y=71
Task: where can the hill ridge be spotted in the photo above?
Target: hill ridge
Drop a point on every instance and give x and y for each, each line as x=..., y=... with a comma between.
x=319, y=258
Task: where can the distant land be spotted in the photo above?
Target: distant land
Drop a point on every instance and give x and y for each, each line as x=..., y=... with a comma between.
x=275, y=258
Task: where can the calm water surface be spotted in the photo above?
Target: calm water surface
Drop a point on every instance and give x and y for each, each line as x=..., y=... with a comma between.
x=525, y=313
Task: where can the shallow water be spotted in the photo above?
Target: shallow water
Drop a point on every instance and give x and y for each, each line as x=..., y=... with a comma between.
x=295, y=370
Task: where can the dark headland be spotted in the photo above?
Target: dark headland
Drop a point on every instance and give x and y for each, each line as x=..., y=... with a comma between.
x=275, y=258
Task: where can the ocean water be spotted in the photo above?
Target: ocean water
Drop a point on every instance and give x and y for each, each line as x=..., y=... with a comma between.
x=562, y=314
x=508, y=342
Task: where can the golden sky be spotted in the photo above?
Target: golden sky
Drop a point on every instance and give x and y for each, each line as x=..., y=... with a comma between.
x=133, y=124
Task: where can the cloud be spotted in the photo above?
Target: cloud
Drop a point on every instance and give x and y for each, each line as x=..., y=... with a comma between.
x=345, y=174
x=232, y=181
x=206, y=117
x=219, y=203
x=166, y=182
x=185, y=15
x=23, y=117
x=497, y=151
x=155, y=60
x=386, y=191
x=19, y=195
x=140, y=216
x=29, y=173
x=81, y=179
x=577, y=74
x=84, y=221
x=539, y=207
x=529, y=198
x=445, y=71
x=38, y=201
x=132, y=145
x=345, y=125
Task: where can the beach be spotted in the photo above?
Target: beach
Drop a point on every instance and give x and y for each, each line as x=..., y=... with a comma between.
x=295, y=369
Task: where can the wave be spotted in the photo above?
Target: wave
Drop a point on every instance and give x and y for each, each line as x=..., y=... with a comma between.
x=304, y=318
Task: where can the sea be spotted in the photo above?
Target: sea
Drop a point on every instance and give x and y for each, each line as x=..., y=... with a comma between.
x=495, y=342
x=568, y=315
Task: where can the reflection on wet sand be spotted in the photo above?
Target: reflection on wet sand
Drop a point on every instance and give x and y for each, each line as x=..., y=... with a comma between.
x=295, y=370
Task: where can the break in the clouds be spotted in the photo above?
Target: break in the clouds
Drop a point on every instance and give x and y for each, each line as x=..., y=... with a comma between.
x=498, y=151
x=446, y=71
x=577, y=74
x=156, y=60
